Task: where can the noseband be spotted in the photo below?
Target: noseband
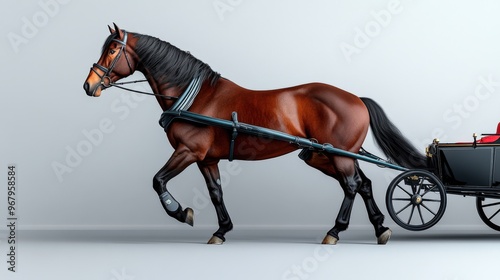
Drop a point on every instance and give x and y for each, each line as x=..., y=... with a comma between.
x=105, y=79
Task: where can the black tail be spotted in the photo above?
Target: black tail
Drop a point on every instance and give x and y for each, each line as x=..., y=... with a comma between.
x=390, y=140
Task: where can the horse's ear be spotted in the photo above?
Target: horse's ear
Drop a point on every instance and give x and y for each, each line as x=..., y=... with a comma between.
x=111, y=30
x=117, y=29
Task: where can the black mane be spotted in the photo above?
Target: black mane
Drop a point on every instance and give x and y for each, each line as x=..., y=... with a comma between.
x=168, y=64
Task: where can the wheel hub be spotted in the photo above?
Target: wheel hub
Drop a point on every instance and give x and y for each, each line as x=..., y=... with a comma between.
x=416, y=199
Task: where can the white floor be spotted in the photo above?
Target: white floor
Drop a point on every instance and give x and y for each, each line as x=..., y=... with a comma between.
x=138, y=255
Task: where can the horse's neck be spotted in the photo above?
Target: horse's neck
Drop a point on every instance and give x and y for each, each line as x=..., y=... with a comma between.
x=163, y=89
x=206, y=90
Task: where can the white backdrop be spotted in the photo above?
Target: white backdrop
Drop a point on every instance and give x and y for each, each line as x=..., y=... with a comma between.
x=433, y=66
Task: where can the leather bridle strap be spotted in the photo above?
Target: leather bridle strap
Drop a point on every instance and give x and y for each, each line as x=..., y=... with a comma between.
x=105, y=79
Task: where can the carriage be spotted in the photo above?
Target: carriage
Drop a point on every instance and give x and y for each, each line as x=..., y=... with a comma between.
x=416, y=199
x=208, y=118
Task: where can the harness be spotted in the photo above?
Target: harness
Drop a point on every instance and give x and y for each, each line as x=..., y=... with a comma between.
x=183, y=103
x=180, y=108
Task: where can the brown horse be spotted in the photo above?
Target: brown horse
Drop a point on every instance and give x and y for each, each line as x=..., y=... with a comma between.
x=316, y=111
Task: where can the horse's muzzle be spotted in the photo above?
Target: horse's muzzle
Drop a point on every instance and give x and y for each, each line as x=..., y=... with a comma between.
x=86, y=87
x=91, y=91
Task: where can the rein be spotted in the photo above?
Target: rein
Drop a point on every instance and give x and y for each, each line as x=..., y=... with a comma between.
x=120, y=86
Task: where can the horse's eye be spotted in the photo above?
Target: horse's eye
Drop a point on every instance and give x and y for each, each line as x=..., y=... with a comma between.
x=111, y=51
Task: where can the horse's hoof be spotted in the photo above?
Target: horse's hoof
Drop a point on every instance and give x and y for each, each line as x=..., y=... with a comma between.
x=189, y=216
x=330, y=240
x=215, y=240
x=384, y=237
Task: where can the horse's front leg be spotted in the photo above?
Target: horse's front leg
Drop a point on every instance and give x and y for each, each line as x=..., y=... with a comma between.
x=180, y=159
x=210, y=172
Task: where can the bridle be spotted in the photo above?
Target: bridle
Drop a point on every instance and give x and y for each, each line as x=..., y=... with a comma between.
x=106, y=80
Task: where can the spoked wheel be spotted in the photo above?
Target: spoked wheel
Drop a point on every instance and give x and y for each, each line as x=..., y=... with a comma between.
x=416, y=200
x=489, y=211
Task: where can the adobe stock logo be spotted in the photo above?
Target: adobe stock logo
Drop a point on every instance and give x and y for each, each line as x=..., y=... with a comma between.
x=372, y=29
x=485, y=88
x=31, y=26
x=221, y=7
x=121, y=275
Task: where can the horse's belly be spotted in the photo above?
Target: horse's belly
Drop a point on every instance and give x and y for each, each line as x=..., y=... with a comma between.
x=259, y=148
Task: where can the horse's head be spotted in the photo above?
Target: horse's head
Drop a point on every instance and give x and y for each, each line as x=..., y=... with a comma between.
x=116, y=62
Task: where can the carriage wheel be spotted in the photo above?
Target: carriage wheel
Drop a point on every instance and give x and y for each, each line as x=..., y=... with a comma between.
x=489, y=211
x=416, y=200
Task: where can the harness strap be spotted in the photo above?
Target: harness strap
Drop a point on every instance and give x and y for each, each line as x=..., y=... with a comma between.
x=183, y=103
x=187, y=97
x=234, y=118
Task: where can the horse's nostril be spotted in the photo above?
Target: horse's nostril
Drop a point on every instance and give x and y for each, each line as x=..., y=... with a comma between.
x=86, y=87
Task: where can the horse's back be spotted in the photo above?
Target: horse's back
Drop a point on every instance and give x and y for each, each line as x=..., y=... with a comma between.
x=315, y=110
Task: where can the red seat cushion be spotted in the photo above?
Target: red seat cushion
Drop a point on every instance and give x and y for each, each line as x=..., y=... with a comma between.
x=491, y=138
x=488, y=139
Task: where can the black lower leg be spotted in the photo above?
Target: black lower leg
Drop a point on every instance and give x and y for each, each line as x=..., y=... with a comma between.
x=225, y=223
x=211, y=174
x=376, y=217
x=374, y=214
x=350, y=185
x=342, y=221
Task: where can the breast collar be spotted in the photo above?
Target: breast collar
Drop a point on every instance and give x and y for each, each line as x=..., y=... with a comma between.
x=184, y=102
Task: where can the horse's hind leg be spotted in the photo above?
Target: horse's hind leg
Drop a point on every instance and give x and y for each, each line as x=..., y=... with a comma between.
x=180, y=159
x=376, y=217
x=350, y=181
x=343, y=170
x=210, y=172
x=353, y=181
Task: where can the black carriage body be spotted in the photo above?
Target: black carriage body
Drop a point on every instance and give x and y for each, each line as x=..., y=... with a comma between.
x=467, y=168
x=470, y=169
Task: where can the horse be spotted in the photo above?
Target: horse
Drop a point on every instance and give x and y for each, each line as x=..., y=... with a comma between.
x=316, y=111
